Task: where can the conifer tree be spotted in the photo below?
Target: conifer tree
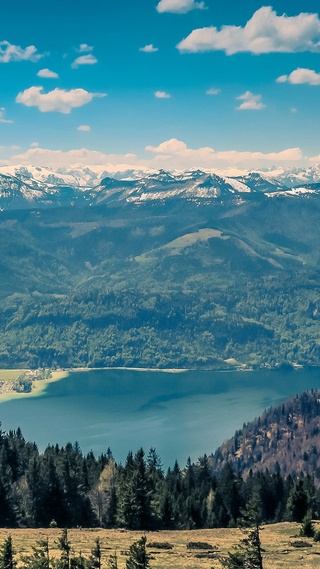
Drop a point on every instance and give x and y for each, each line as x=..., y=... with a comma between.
x=138, y=557
x=95, y=557
x=65, y=548
x=7, y=560
x=40, y=558
x=247, y=554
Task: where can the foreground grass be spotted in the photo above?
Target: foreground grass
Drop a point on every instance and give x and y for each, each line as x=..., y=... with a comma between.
x=276, y=539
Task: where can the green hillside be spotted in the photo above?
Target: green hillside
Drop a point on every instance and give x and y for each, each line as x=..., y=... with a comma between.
x=174, y=283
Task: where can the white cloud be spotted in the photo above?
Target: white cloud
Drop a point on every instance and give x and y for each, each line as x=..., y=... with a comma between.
x=2, y=119
x=162, y=95
x=300, y=76
x=149, y=48
x=10, y=52
x=212, y=91
x=34, y=144
x=88, y=59
x=171, y=154
x=84, y=127
x=251, y=102
x=47, y=74
x=264, y=33
x=174, y=153
x=179, y=6
x=58, y=100
x=81, y=156
x=84, y=48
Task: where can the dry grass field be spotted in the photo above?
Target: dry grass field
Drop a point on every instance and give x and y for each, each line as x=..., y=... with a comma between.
x=276, y=541
x=9, y=374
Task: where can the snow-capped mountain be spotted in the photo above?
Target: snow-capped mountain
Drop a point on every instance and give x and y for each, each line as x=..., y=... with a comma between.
x=24, y=187
x=296, y=177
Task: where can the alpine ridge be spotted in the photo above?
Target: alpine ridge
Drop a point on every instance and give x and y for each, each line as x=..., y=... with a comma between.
x=25, y=187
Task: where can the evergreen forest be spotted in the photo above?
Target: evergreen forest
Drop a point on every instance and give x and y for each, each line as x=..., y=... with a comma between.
x=62, y=487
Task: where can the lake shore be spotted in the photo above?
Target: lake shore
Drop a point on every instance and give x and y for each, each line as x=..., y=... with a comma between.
x=7, y=393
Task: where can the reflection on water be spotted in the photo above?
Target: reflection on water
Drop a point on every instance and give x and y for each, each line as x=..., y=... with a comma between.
x=185, y=414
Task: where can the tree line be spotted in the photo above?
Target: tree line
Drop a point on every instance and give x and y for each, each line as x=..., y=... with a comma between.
x=63, y=487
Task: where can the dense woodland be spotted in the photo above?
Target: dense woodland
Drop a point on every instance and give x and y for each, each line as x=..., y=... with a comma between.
x=62, y=487
x=176, y=283
x=253, y=322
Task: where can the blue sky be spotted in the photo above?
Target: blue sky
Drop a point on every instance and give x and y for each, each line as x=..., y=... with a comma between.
x=170, y=83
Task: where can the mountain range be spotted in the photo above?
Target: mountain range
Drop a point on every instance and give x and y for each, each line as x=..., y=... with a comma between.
x=30, y=186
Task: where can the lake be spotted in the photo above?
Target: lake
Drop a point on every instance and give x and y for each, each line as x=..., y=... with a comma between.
x=181, y=414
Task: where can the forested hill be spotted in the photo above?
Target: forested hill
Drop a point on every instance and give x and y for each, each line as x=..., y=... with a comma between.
x=183, y=282
x=286, y=437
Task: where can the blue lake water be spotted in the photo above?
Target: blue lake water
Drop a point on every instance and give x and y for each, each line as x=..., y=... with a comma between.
x=182, y=414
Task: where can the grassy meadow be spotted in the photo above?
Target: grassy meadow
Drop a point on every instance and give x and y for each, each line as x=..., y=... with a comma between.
x=276, y=540
x=9, y=374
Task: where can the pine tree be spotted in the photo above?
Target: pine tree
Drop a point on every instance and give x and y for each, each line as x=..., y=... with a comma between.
x=95, y=557
x=138, y=557
x=246, y=555
x=7, y=560
x=40, y=558
x=65, y=548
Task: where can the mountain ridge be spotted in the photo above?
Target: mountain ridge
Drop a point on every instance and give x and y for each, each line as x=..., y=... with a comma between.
x=29, y=186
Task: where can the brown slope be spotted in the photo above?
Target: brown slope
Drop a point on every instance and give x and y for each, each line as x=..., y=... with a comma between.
x=286, y=437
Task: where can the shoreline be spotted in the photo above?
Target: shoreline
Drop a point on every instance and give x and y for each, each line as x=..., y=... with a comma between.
x=38, y=386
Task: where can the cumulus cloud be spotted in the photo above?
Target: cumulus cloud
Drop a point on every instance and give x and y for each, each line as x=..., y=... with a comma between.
x=175, y=153
x=179, y=6
x=34, y=144
x=81, y=156
x=171, y=154
x=84, y=48
x=162, y=95
x=266, y=32
x=10, y=52
x=149, y=48
x=212, y=91
x=84, y=127
x=58, y=100
x=47, y=74
x=300, y=76
x=88, y=59
x=251, y=102
x=2, y=118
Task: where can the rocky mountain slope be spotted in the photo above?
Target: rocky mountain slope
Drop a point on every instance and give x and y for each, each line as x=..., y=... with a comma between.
x=285, y=438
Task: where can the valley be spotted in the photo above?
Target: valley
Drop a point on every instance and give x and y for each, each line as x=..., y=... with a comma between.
x=162, y=275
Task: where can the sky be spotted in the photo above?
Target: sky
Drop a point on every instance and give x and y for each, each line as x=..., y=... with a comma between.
x=172, y=84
